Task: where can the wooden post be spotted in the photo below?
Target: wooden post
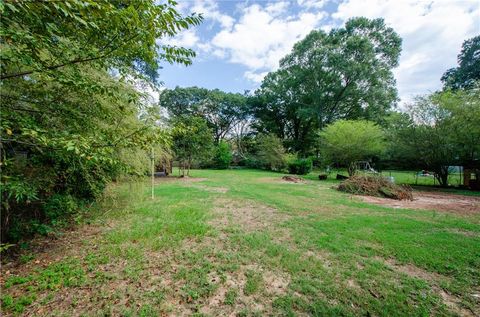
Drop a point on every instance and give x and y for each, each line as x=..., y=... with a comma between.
x=153, y=173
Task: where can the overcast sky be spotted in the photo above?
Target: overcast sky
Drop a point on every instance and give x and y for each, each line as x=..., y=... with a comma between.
x=240, y=41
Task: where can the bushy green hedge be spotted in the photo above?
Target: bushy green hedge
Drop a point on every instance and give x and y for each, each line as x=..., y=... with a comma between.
x=300, y=166
x=59, y=205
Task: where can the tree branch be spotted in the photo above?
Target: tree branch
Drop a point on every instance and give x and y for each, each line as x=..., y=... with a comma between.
x=72, y=62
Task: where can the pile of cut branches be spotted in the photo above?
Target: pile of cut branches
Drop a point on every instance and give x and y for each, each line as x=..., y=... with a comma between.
x=375, y=186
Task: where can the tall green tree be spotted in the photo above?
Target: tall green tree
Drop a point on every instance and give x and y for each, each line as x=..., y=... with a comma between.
x=191, y=141
x=223, y=155
x=348, y=141
x=442, y=130
x=222, y=111
x=468, y=70
x=343, y=74
x=426, y=139
x=462, y=122
x=268, y=153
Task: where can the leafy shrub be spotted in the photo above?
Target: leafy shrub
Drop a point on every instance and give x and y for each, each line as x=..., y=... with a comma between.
x=223, y=156
x=52, y=213
x=250, y=161
x=270, y=153
x=192, y=141
x=300, y=166
x=348, y=141
x=375, y=186
x=59, y=205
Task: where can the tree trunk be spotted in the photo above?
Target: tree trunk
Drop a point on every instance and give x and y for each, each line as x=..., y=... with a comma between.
x=442, y=176
x=352, y=168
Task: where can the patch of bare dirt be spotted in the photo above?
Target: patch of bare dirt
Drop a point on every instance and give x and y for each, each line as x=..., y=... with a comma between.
x=465, y=233
x=186, y=179
x=164, y=267
x=53, y=248
x=293, y=179
x=320, y=255
x=211, y=189
x=75, y=243
x=273, y=284
x=191, y=181
x=247, y=215
x=464, y=205
x=352, y=284
x=414, y=271
x=277, y=180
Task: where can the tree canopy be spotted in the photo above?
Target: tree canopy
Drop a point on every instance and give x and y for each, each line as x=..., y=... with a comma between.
x=468, y=70
x=192, y=141
x=343, y=74
x=441, y=130
x=221, y=110
x=348, y=141
x=42, y=36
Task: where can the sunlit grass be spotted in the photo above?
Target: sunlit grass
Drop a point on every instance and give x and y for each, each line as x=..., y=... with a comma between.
x=330, y=250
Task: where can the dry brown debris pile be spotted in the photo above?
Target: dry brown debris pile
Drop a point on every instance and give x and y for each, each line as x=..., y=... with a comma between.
x=375, y=186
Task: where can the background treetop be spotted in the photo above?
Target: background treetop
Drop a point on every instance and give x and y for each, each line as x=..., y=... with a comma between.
x=468, y=70
x=221, y=110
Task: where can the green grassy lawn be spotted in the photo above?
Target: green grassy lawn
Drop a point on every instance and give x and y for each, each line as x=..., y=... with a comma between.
x=245, y=243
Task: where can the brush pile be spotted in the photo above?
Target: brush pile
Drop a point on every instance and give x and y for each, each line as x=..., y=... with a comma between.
x=375, y=186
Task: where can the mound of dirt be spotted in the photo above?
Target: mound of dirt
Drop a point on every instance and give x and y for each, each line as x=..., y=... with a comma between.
x=294, y=179
x=377, y=186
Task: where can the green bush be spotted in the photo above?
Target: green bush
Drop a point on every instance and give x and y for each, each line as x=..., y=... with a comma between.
x=59, y=205
x=300, y=166
x=223, y=156
x=251, y=162
x=53, y=212
x=270, y=153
